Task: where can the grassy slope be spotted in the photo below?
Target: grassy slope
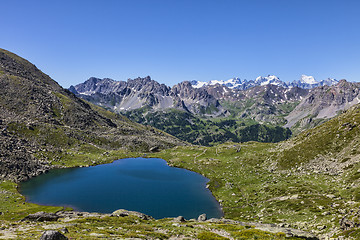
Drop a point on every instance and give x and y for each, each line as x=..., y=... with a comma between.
x=249, y=191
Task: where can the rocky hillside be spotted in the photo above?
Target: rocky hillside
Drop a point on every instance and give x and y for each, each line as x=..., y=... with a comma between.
x=331, y=147
x=323, y=103
x=41, y=123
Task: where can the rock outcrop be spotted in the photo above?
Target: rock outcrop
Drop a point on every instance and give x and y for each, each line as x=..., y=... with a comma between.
x=52, y=235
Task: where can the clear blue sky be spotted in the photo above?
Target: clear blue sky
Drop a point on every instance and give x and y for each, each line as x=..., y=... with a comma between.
x=177, y=40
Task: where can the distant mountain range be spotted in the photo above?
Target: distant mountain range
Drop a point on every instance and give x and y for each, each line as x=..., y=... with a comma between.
x=298, y=105
x=306, y=82
x=194, y=96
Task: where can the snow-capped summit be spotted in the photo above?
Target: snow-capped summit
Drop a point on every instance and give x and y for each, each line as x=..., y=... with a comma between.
x=308, y=82
x=329, y=81
x=233, y=82
x=308, y=79
x=270, y=79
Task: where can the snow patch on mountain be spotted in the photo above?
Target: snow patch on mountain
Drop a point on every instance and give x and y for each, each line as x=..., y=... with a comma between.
x=308, y=79
x=198, y=84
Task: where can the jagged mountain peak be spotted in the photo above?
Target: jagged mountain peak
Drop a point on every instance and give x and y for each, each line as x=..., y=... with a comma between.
x=140, y=92
x=270, y=79
x=309, y=82
x=144, y=80
x=325, y=102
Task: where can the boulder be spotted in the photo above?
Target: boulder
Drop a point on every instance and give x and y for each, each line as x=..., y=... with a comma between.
x=125, y=213
x=214, y=220
x=154, y=149
x=52, y=235
x=41, y=217
x=202, y=217
x=180, y=219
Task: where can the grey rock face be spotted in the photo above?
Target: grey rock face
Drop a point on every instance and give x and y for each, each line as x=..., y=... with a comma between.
x=325, y=102
x=52, y=235
x=144, y=92
x=122, y=96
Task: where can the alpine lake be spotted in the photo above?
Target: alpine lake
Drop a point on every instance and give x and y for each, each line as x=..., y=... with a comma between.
x=146, y=185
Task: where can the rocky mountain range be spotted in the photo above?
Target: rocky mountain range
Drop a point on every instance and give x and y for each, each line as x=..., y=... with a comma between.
x=136, y=93
x=299, y=105
x=41, y=123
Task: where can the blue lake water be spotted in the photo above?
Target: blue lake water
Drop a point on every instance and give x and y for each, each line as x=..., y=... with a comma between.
x=146, y=185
